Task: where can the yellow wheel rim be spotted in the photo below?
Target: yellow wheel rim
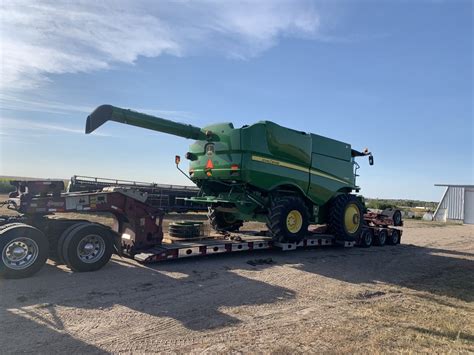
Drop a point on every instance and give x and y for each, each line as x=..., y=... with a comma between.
x=294, y=221
x=352, y=218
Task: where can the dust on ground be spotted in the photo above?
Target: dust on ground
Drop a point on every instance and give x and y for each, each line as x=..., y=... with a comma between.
x=415, y=297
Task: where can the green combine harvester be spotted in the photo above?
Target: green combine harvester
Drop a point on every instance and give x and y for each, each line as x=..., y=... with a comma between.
x=264, y=172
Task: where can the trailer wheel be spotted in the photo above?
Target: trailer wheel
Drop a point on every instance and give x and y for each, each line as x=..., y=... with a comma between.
x=62, y=238
x=223, y=222
x=366, y=238
x=381, y=238
x=24, y=250
x=87, y=247
x=288, y=219
x=346, y=217
x=394, y=238
x=395, y=215
x=397, y=218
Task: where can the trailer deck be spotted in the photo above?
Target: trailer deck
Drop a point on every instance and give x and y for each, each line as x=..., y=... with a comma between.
x=234, y=243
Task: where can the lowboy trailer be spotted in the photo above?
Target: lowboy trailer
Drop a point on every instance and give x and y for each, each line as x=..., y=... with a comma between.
x=32, y=236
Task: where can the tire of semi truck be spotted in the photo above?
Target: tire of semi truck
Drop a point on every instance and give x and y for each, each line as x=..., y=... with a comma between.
x=223, y=222
x=288, y=219
x=366, y=238
x=346, y=218
x=88, y=247
x=24, y=250
x=394, y=238
x=381, y=238
x=62, y=238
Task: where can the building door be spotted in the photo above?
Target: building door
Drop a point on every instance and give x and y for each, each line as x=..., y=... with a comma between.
x=468, y=206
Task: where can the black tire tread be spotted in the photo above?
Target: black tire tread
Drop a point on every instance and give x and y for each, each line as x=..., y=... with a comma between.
x=220, y=225
x=69, y=255
x=274, y=218
x=379, y=241
x=61, y=258
x=390, y=240
x=43, y=245
x=336, y=217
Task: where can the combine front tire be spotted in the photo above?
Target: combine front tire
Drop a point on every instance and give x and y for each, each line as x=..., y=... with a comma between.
x=223, y=222
x=24, y=250
x=288, y=219
x=88, y=247
x=346, y=217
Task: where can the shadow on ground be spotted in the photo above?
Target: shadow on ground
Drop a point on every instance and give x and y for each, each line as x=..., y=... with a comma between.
x=194, y=291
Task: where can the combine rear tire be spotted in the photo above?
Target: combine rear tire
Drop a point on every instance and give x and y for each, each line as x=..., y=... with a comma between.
x=381, y=238
x=223, y=222
x=346, y=217
x=88, y=247
x=288, y=219
x=24, y=250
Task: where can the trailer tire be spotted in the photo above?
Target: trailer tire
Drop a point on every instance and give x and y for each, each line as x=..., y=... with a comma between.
x=24, y=250
x=381, y=238
x=394, y=238
x=62, y=238
x=221, y=222
x=288, y=219
x=397, y=218
x=87, y=247
x=366, y=238
x=346, y=217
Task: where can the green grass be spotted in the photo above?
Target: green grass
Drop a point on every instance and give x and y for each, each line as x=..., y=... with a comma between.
x=5, y=186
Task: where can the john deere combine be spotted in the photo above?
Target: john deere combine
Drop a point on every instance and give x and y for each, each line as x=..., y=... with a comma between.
x=264, y=172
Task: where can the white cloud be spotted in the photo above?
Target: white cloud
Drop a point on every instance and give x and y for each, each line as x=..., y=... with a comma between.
x=17, y=127
x=54, y=37
x=18, y=103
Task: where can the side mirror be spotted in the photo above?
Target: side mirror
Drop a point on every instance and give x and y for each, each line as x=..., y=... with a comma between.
x=177, y=159
x=371, y=160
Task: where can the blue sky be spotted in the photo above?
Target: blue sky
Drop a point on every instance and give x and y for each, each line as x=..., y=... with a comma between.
x=394, y=76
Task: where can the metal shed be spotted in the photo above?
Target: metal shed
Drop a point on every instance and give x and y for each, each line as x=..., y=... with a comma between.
x=456, y=204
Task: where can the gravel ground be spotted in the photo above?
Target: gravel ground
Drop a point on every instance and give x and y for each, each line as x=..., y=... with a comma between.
x=414, y=297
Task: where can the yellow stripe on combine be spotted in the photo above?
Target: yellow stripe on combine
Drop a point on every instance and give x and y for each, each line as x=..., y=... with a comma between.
x=295, y=167
x=319, y=173
x=279, y=163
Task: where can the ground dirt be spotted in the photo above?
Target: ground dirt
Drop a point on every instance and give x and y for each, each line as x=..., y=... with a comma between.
x=414, y=297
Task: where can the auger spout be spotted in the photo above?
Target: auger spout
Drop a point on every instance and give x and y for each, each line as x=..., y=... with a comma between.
x=106, y=113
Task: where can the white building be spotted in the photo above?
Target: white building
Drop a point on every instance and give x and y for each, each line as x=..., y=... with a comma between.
x=456, y=204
